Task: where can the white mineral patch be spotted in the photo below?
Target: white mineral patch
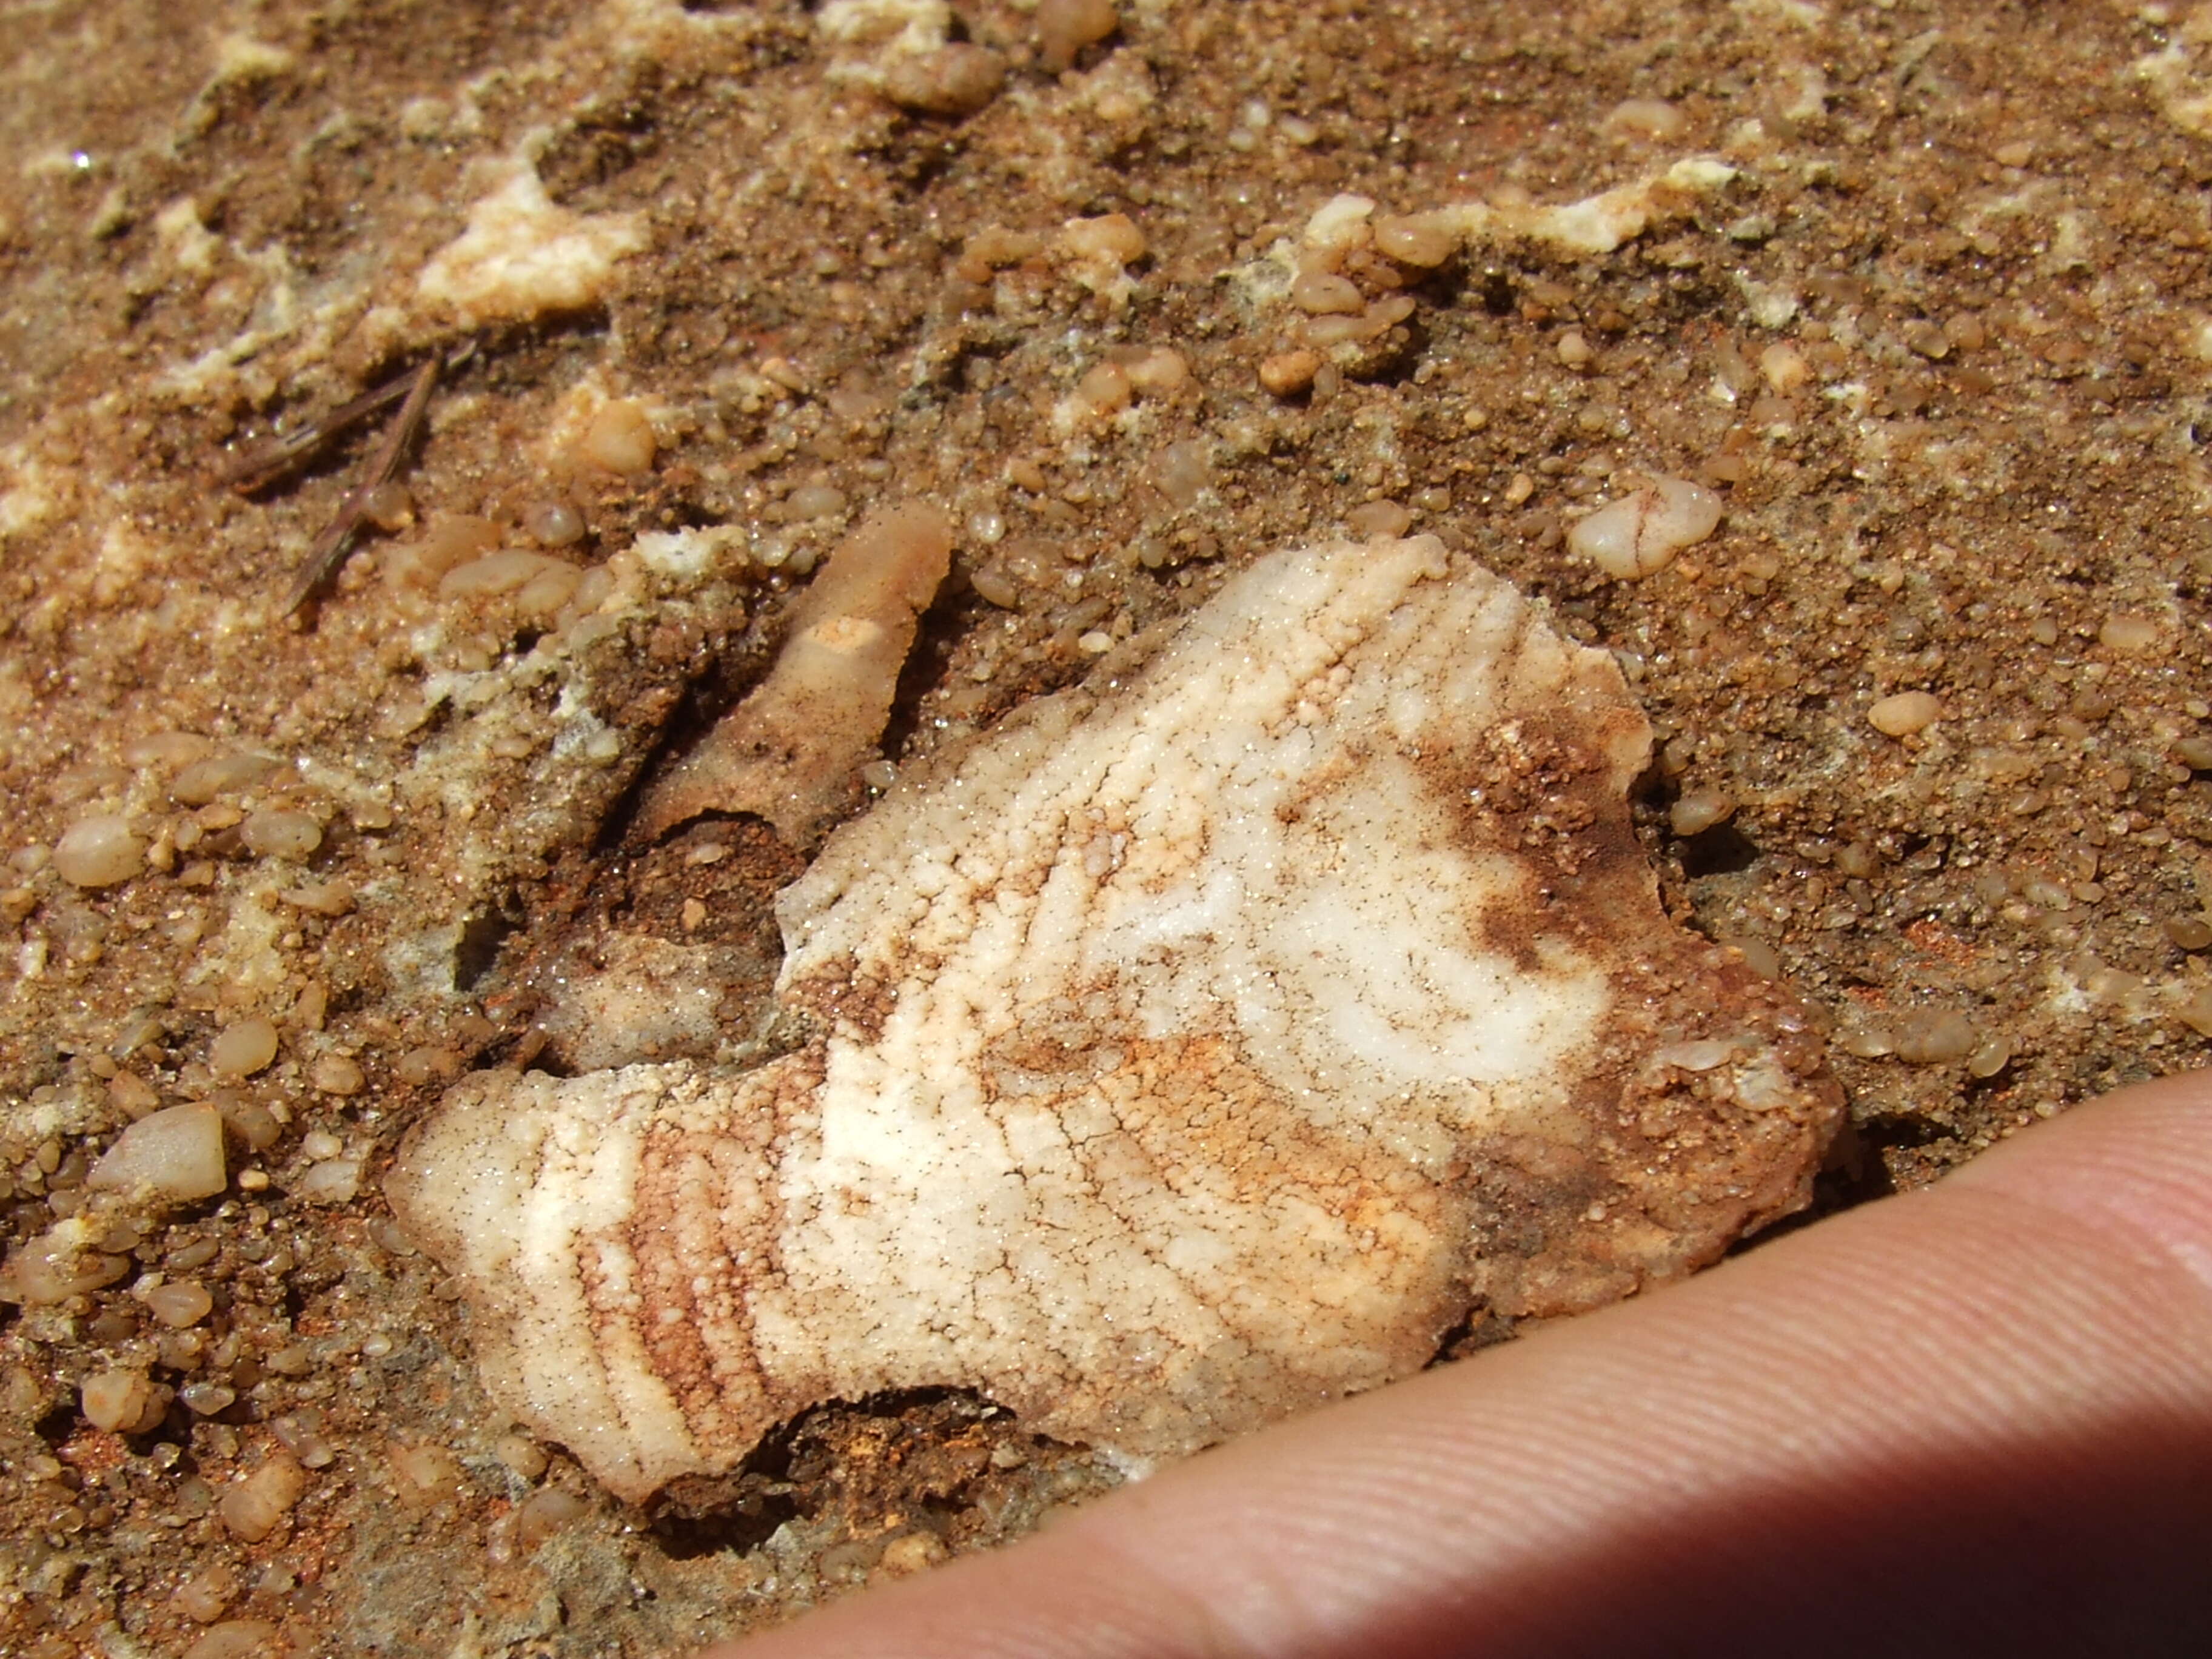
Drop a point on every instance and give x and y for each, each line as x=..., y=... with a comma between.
x=909, y=25
x=522, y=257
x=26, y=497
x=1595, y=224
x=1193, y=1049
x=1601, y=224
x=686, y=557
x=2178, y=76
x=868, y=38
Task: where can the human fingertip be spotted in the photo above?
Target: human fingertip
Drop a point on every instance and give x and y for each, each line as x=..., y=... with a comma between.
x=2136, y=1163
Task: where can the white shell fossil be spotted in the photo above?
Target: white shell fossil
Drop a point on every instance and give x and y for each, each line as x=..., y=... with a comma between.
x=1193, y=1049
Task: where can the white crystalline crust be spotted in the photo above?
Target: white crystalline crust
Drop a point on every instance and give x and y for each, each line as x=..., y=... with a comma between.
x=523, y=257
x=1194, y=1049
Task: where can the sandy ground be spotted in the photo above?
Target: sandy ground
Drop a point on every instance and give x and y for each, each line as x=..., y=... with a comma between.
x=1928, y=307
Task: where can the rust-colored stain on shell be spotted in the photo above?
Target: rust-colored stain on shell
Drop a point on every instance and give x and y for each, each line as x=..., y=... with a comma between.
x=1194, y=1048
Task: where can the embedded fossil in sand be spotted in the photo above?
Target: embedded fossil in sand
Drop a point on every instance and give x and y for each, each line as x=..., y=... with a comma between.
x=791, y=752
x=1194, y=1047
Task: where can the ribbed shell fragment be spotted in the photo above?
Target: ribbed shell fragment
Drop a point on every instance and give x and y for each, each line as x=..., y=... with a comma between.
x=1194, y=1048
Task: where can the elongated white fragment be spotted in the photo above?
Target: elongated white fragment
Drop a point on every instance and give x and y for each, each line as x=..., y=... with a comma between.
x=1196, y=1047
x=792, y=751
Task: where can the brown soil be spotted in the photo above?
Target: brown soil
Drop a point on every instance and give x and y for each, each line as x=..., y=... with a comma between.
x=1942, y=342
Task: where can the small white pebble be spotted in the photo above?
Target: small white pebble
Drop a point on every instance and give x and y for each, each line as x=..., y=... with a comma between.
x=524, y=1455
x=98, y=850
x=957, y=79
x=166, y=749
x=619, y=440
x=450, y=540
x=909, y=1554
x=2125, y=632
x=424, y=1472
x=1785, y=368
x=1650, y=120
x=1289, y=373
x=334, y=1180
x=1378, y=518
x=429, y=1064
x=336, y=1074
x=1421, y=239
x=120, y=1401
x=1181, y=471
x=2196, y=1011
x=1867, y=1042
x=132, y=1094
x=811, y=502
x=207, y=1398
x=1341, y=221
x=180, y=1305
x=1063, y=27
x=1104, y=389
x=277, y=835
x=293, y=1359
x=202, y=1597
x=548, y=592
x=1703, y=1055
x=1904, y=712
x=1936, y=1037
x=1699, y=810
x=1641, y=532
x=504, y=572
x=255, y=1506
x=1157, y=371
x=389, y=507
x=1990, y=1057
x=174, y=1154
x=249, y=1121
x=324, y=898
x=544, y=1513
x=1759, y=955
x=785, y=373
x=1927, y=340
x=1318, y=293
x=553, y=523
x=244, y=1048
x=222, y=775
x=1111, y=238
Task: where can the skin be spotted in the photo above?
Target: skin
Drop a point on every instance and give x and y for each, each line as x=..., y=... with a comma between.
x=1973, y=1419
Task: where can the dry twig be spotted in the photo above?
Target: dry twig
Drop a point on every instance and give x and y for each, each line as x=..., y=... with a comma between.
x=257, y=471
x=330, y=548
